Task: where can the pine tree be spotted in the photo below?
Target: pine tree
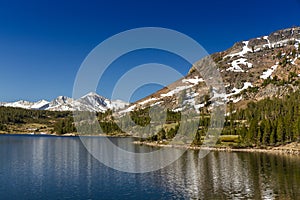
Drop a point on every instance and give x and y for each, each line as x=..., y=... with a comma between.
x=266, y=132
x=259, y=136
x=272, y=137
x=296, y=135
x=280, y=131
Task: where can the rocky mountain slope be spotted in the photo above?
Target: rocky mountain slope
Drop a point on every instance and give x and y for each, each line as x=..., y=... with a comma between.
x=251, y=70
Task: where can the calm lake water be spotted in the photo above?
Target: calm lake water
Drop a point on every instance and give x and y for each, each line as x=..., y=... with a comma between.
x=43, y=167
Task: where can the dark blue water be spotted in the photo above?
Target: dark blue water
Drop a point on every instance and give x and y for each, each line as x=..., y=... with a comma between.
x=41, y=167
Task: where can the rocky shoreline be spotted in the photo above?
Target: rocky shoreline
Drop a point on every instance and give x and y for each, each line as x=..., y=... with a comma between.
x=292, y=148
x=67, y=134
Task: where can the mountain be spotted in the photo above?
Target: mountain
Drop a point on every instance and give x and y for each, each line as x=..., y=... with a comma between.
x=90, y=102
x=20, y=104
x=61, y=103
x=251, y=70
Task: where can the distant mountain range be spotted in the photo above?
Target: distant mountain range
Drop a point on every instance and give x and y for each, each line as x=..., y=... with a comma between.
x=89, y=102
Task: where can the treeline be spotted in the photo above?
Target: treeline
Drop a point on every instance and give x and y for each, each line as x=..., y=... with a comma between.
x=166, y=128
x=142, y=116
x=59, y=122
x=18, y=115
x=267, y=122
x=10, y=116
x=64, y=126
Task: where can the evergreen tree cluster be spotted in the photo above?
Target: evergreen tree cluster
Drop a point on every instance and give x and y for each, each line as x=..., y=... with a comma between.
x=60, y=121
x=18, y=115
x=64, y=126
x=267, y=122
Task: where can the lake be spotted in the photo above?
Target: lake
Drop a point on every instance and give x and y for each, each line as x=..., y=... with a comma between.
x=45, y=167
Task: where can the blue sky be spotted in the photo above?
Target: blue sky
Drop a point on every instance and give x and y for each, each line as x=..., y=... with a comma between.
x=43, y=43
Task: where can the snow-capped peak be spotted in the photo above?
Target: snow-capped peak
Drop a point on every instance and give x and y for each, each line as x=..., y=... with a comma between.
x=40, y=104
x=20, y=104
x=91, y=94
x=89, y=102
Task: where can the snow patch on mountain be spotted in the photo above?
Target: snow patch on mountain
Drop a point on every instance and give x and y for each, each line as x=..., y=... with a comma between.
x=118, y=104
x=268, y=73
x=194, y=80
x=268, y=42
x=296, y=45
x=235, y=100
x=236, y=91
x=293, y=61
x=176, y=90
x=156, y=103
x=280, y=43
x=230, y=97
x=129, y=109
x=236, y=65
x=245, y=50
x=147, y=101
x=179, y=109
x=190, y=101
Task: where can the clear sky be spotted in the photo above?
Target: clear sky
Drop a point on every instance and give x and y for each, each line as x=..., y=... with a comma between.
x=43, y=43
